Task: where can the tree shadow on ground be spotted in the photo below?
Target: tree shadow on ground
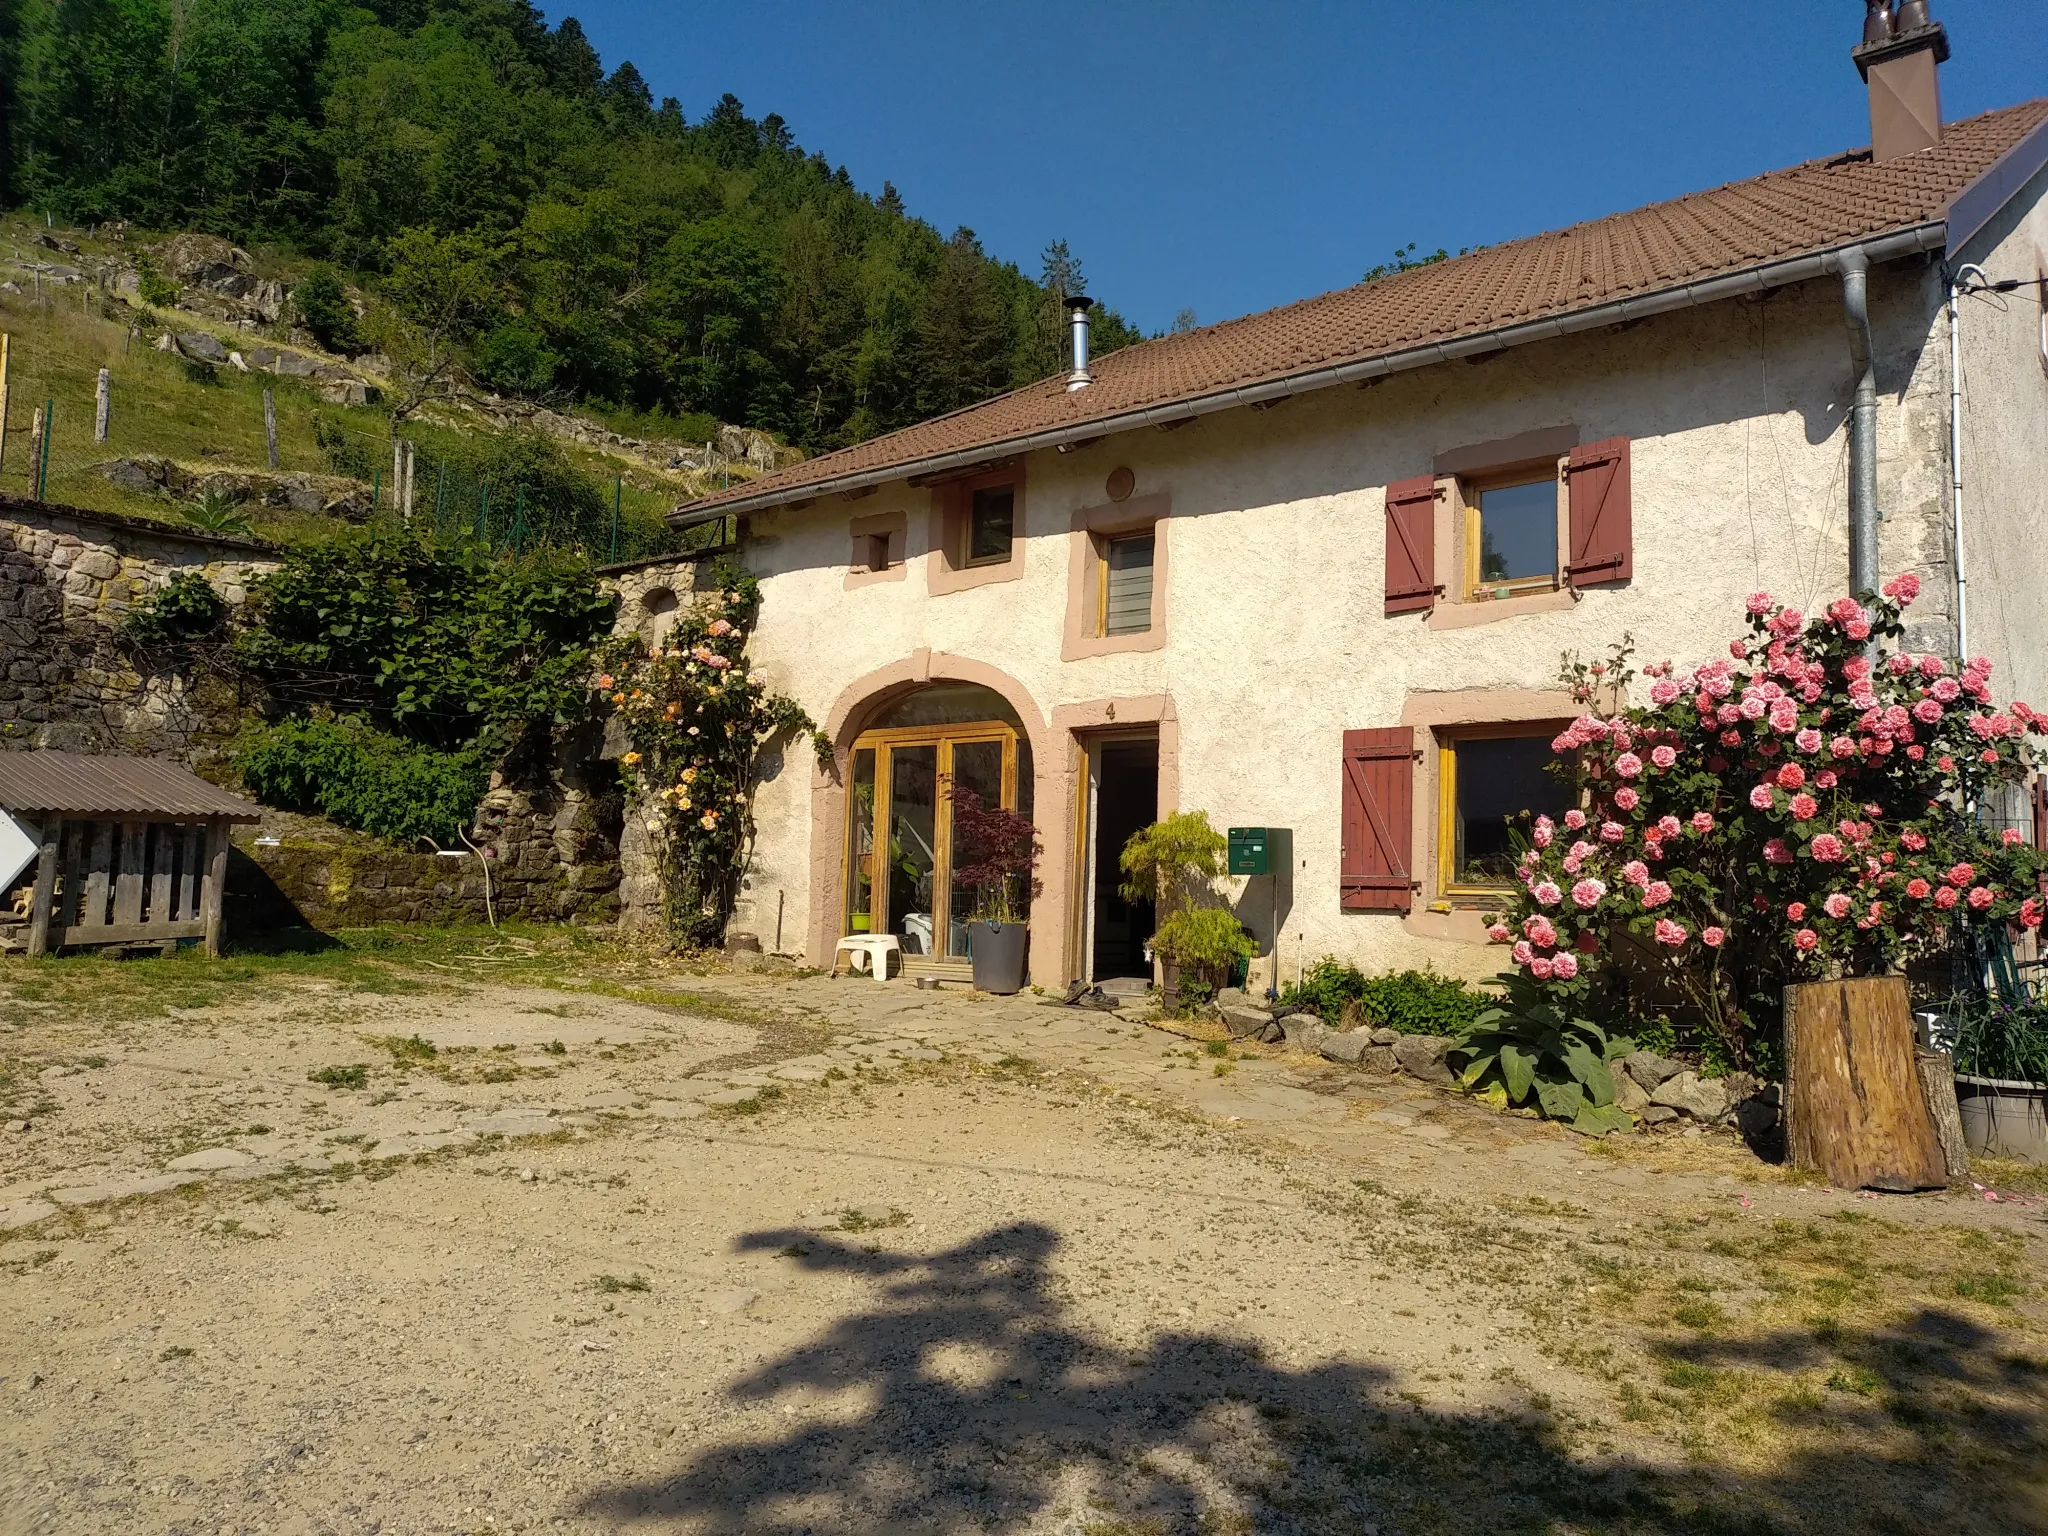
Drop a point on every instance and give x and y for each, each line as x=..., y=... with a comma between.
x=986, y=1406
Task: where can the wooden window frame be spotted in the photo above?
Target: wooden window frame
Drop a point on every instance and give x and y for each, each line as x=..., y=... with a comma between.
x=968, y=560
x=1448, y=739
x=1088, y=576
x=1103, y=541
x=945, y=738
x=952, y=512
x=1471, y=490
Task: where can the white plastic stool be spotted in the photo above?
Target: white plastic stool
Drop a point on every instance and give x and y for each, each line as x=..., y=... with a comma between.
x=872, y=948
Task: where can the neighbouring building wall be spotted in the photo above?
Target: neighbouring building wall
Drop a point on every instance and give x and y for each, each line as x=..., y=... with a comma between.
x=1272, y=551
x=2005, y=446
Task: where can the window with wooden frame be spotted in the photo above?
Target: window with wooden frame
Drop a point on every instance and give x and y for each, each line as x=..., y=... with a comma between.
x=1493, y=781
x=991, y=525
x=977, y=530
x=1123, y=598
x=1515, y=533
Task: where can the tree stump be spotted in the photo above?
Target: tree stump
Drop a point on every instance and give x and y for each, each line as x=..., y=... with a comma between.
x=1854, y=1108
x=1938, y=1086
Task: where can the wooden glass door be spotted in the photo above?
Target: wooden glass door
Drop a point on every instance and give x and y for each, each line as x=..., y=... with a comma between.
x=900, y=849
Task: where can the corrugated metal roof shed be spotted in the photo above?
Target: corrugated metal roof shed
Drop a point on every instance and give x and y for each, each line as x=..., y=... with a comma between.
x=141, y=788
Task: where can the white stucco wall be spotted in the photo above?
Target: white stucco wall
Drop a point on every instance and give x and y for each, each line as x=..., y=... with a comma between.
x=2005, y=448
x=1277, y=639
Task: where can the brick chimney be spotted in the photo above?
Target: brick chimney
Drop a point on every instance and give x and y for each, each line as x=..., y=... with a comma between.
x=1899, y=60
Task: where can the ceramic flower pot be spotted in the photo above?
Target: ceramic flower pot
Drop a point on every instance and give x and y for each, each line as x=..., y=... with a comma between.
x=2004, y=1117
x=998, y=950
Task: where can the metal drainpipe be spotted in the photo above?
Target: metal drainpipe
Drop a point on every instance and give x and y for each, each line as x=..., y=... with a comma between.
x=1862, y=426
x=1955, y=450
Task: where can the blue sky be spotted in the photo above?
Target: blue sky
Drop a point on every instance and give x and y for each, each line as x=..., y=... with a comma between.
x=1232, y=156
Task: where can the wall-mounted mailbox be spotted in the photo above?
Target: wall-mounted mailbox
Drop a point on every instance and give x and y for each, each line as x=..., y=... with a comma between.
x=1257, y=850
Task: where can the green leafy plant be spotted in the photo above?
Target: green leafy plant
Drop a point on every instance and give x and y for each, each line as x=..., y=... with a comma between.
x=350, y=772
x=1413, y=1002
x=1205, y=940
x=1172, y=862
x=322, y=306
x=183, y=611
x=218, y=512
x=153, y=286
x=448, y=645
x=1536, y=1048
x=1994, y=1038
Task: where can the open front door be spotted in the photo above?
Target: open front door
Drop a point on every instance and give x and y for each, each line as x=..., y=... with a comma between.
x=1120, y=794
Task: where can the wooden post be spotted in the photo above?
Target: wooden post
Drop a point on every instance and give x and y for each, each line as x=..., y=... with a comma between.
x=1938, y=1087
x=46, y=887
x=216, y=883
x=42, y=464
x=35, y=446
x=128, y=878
x=103, y=405
x=270, y=426
x=1853, y=1103
x=4, y=361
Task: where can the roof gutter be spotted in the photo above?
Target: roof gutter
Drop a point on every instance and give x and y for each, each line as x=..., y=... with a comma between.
x=1799, y=269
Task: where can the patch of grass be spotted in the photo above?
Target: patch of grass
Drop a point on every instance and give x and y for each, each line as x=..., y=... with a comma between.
x=1857, y=1379
x=556, y=1048
x=406, y=1050
x=1992, y=1289
x=610, y=1284
x=1217, y=1048
x=1699, y=1314
x=356, y=1075
x=853, y=1219
x=175, y=1352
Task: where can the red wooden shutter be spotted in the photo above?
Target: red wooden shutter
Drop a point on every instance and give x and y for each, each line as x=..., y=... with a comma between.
x=1379, y=806
x=2041, y=812
x=1598, y=482
x=1411, y=544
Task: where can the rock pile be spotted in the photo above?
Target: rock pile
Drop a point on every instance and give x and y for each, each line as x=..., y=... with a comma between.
x=1653, y=1088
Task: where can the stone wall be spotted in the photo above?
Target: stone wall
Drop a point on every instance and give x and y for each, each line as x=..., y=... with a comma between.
x=67, y=579
x=650, y=594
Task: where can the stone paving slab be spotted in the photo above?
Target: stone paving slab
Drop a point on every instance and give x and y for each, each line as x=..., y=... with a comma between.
x=211, y=1160
x=25, y=1213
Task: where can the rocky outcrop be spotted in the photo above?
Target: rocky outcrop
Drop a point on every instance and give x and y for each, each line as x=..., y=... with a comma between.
x=224, y=273
x=150, y=475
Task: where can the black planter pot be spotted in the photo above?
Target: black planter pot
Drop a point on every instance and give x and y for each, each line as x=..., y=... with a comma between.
x=998, y=950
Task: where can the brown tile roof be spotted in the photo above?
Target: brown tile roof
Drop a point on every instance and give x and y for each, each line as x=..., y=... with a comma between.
x=1661, y=250
x=143, y=788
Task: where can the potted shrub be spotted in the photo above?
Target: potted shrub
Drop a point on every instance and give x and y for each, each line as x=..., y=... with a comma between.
x=2001, y=1056
x=1001, y=851
x=1204, y=946
x=1174, y=864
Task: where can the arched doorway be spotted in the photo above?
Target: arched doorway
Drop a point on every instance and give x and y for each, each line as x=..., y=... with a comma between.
x=901, y=855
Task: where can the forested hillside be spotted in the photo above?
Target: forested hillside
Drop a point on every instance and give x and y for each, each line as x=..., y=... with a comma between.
x=512, y=214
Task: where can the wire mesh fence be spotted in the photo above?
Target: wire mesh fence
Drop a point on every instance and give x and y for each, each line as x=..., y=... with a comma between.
x=93, y=415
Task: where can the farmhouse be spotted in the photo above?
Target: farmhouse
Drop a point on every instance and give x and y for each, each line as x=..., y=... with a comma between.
x=1314, y=570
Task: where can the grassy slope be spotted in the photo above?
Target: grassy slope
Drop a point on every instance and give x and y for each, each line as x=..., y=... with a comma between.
x=163, y=407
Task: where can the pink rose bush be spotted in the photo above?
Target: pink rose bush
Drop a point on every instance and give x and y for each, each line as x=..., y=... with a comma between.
x=1791, y=809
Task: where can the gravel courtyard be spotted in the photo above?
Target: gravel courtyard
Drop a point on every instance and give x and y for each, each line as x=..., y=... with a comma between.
x=512, y=1235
